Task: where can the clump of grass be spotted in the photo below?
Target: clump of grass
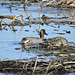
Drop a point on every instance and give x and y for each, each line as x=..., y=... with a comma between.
x=47, y=53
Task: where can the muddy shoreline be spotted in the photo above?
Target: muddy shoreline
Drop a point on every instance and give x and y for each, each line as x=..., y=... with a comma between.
x=56, y=65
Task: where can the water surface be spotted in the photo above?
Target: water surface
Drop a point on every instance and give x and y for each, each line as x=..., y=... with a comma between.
x=9, y=40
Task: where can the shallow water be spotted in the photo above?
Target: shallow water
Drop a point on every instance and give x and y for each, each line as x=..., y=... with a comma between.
x=9, y=40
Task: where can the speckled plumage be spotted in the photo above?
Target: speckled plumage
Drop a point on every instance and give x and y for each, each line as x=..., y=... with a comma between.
x=56, y=41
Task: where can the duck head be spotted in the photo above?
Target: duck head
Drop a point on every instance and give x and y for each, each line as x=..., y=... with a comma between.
x=42, y=32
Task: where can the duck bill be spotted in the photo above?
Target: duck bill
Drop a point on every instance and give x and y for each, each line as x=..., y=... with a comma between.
x=45, y=33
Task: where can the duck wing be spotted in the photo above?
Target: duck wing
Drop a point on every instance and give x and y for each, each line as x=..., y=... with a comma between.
x=56, y=41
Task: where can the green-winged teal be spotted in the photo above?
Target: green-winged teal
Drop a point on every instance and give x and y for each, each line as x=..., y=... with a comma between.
x=56, y=41
x=34, y=40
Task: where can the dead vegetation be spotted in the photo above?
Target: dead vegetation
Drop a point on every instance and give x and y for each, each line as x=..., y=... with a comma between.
x=60, y=4
x=46, y=19
x=56, y=65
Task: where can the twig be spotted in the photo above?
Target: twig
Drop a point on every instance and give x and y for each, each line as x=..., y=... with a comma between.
x=6, y=25
x=48, y=68
x=35, y=65
x=26, y=14
x=10, y=17
x=39, y=13
x=1, y=24
x=48, y=3
x=21, y=20
x=59, y=3
x=26, y=66
x=21, y=28
x=20, y=16
x=31, y=15
x=24, y=3
x=39, y=16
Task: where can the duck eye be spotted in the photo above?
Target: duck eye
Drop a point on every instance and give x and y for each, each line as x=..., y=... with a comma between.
x=24, y=38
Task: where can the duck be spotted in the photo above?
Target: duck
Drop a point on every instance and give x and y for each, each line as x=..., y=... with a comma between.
x=55, y=41
x=34, y=40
